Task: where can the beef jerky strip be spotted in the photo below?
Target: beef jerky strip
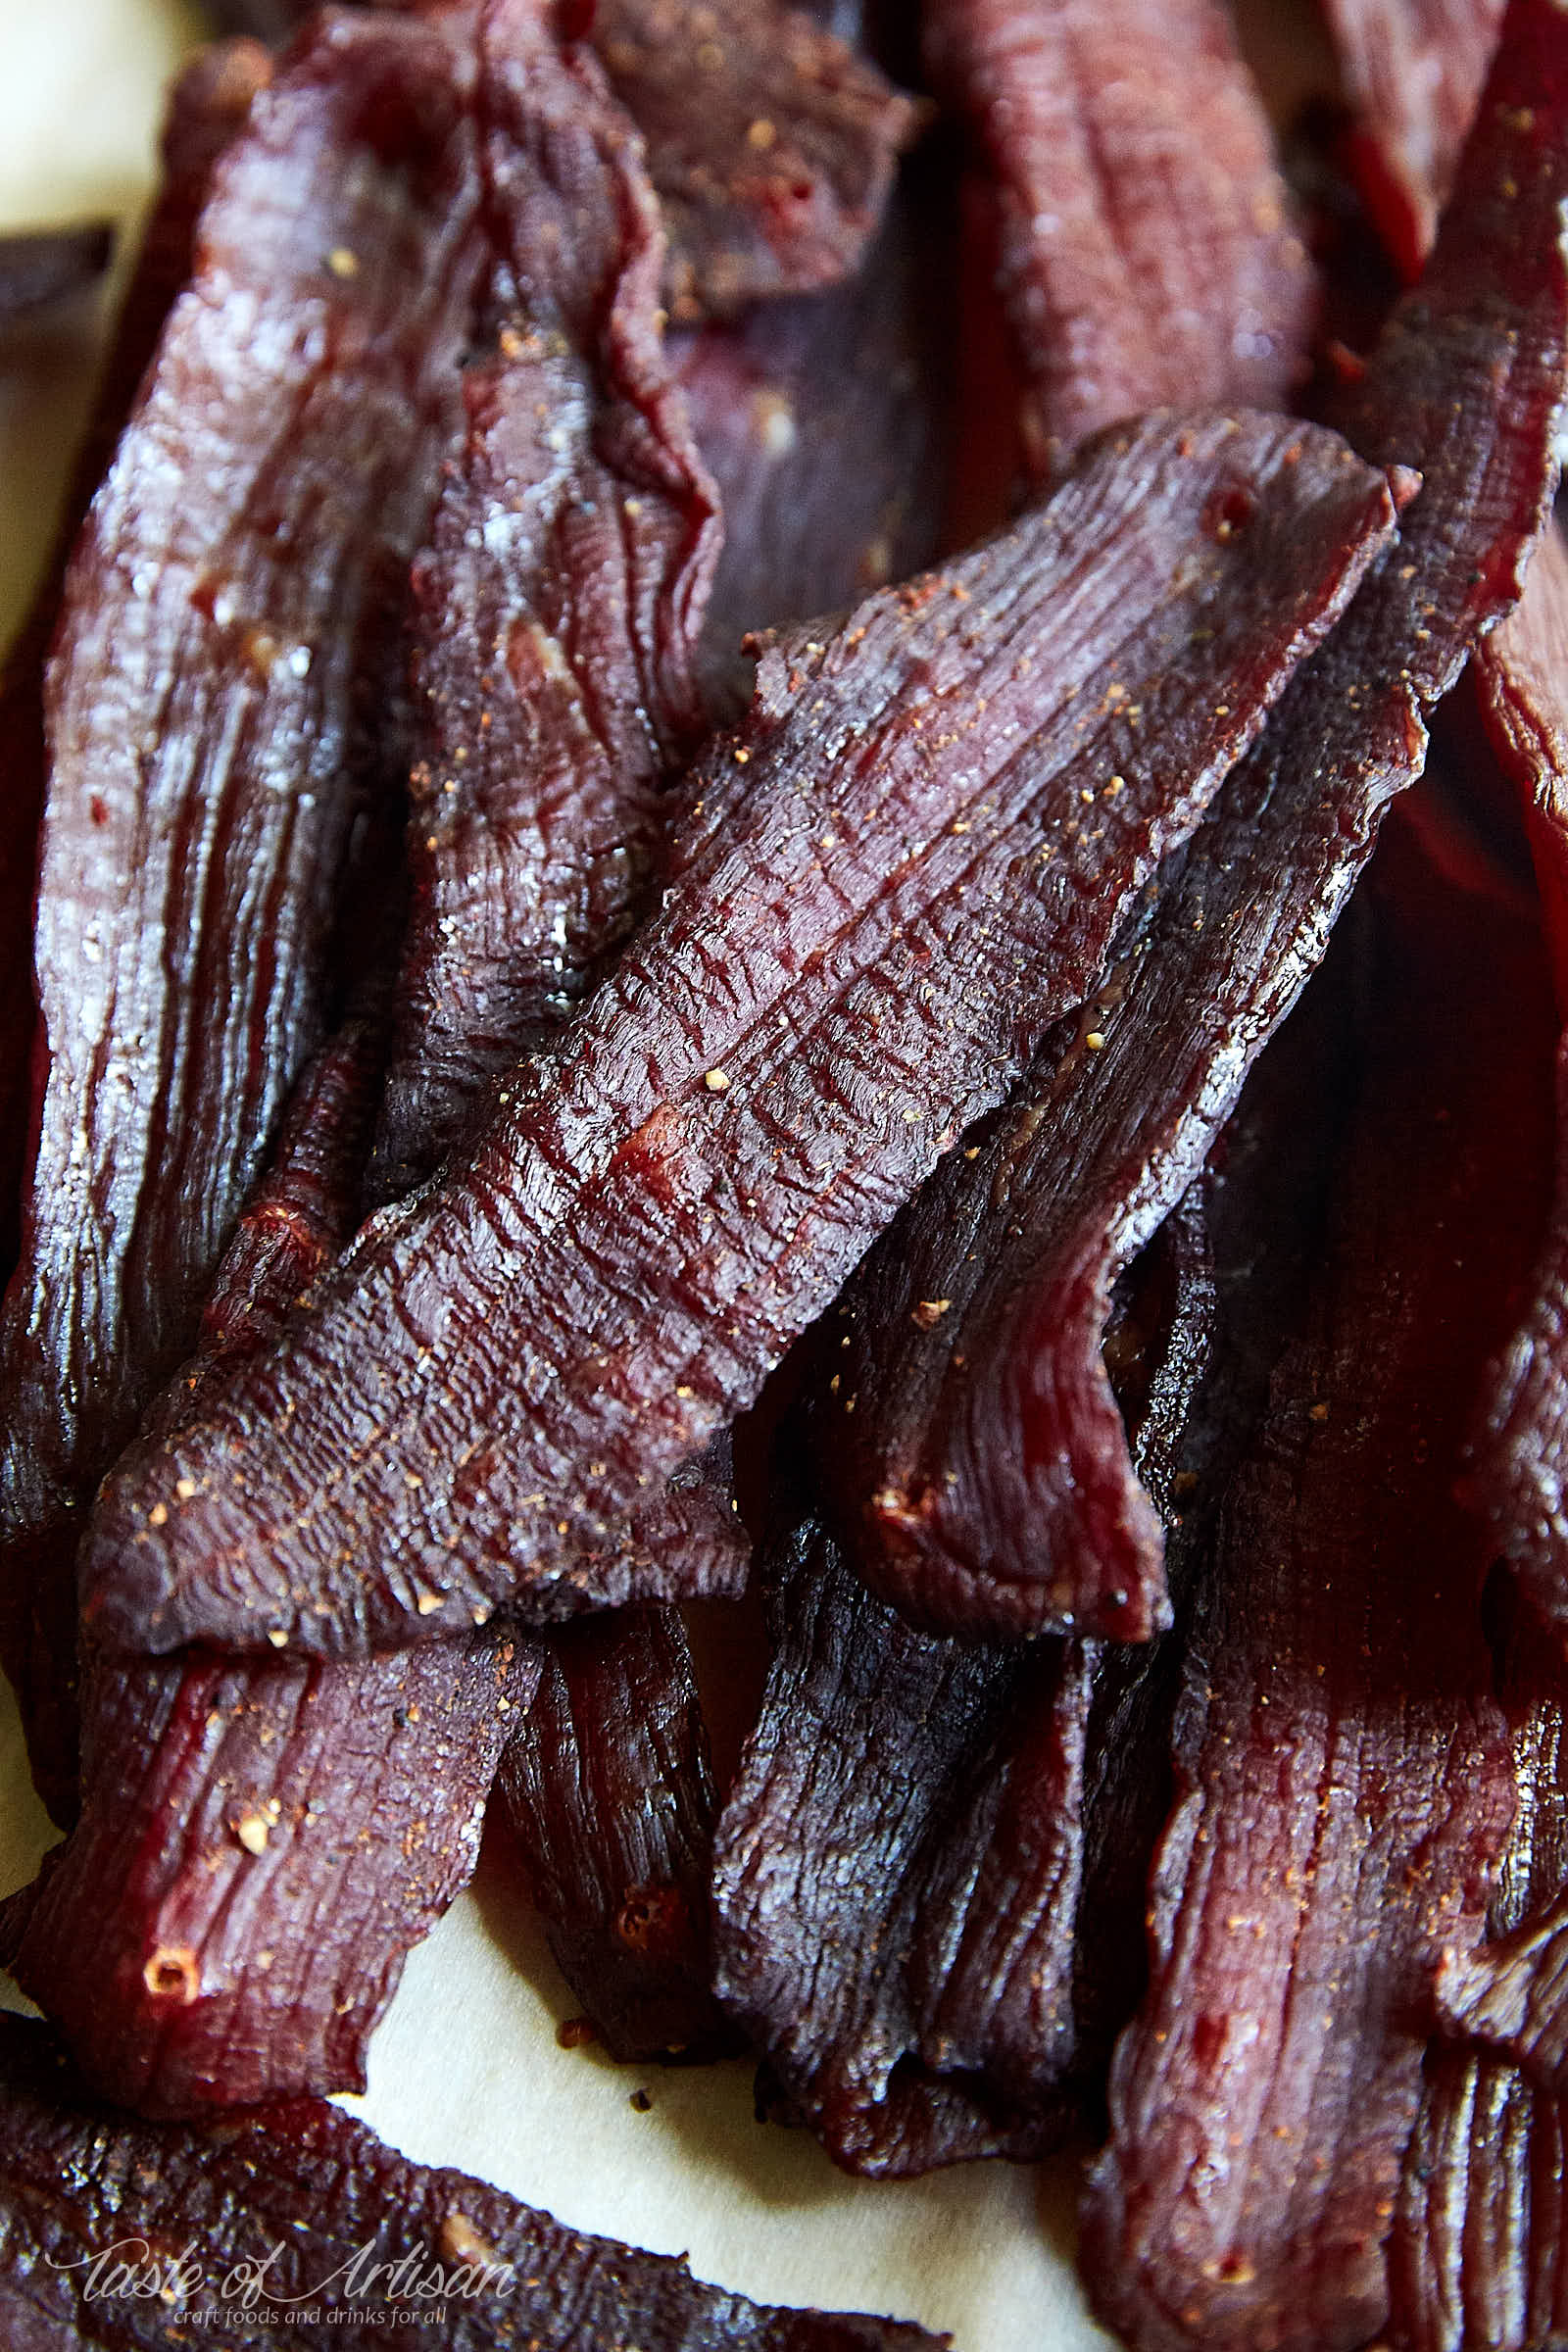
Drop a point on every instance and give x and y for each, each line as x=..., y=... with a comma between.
x=1479, y=2252
x=606, y=1780
x=41, y=267
x=1343, y=1780
x=207, y=106
x=214, y=711
x=899, y=1866
x=983, y=1476
x=912, y=883
x=300, y=2218
x=1147, y=249
x=558, y=604
x=1517, y=1477
x=1413, y=70
x=826, y=419
x=771, y=142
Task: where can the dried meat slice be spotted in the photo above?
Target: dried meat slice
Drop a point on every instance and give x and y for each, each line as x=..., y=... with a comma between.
x=771, y=142
x=982, y=1477
x=1345, y=1784
x=557, y=606
x=1414, y=70
x=499, y=1381
x=1148, y=252
x=300, y=2218
x=215, y=712
x=606, y=1780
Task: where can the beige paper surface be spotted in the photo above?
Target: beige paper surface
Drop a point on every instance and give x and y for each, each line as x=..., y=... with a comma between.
x=465, y=2070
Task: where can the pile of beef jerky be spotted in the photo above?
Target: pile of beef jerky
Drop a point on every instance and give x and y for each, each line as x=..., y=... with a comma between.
x=550, y=1082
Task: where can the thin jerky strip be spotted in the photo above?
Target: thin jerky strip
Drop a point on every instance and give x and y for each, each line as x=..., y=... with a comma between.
x=1147, y=249
x=1343, y=1779
x=981, y=1476
x=558, y=608
x=645, y=1227
x=41, y=267
x=771, y=142
x=225, y=612
x=318, y=2214
x=1413, y=70
x=608, y=1782
x=206, y=107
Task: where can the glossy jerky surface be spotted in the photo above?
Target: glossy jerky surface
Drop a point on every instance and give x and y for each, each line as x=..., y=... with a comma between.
x=1146, y=250
x=558, y=604
x=982, y=1474
x=771, y=142
x=225, y=654
x=306, y=2179
x=1345, y=1784
x=608, y=1782
x=1413, y=70
x=646, y=1226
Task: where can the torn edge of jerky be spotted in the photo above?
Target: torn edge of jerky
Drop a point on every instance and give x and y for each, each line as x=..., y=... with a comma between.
x=934, y=2001
x=653, y=1216
x=559, y=603
x=1147, y=250
x=973, y=1453
x=1344, y=1784
x=346, y=2235
x=189, y=900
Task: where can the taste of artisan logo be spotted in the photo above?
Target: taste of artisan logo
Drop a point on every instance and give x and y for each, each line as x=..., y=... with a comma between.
x=277, y=2289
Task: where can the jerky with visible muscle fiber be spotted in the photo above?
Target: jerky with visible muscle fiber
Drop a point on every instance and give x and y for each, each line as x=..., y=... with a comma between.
x=771, y=142
x=40, y=267
x=316, y=2213
x=501, y=1376
x=1344, y=1784
x=216, y=713
x=608, y=1782
x=1148, y=254
x=1413, y=70
x=983, y=1478
x=206, y=106
x=558, y=606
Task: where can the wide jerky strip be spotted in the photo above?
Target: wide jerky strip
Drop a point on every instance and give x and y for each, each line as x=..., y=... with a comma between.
x=915, y=865
x=981, y=1476
x=207, y=105
x=224, y=613
x=1413, y=70
x=608, y=1780
x=771, y=143
x=300, y=2218
x=1344, y=1777
x=558, y=608
x=1147, y=249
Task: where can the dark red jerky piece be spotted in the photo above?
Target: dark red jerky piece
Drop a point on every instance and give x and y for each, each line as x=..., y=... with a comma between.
x=1148, y=254
x=291, y=2196
x=943, y=1996
x=41, y=267
x=827, y=422
x=906, y=2014
x=1343, y=1780
x=557, y=608
x=207, y=105
x=1517, y=1474
x=1413, y=70
x=771, y=142
x=982, y=1477
x=214, y=734
x=1478, y=2254
x=258, y=1846
x=646, y=1226
x=607, y=1785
